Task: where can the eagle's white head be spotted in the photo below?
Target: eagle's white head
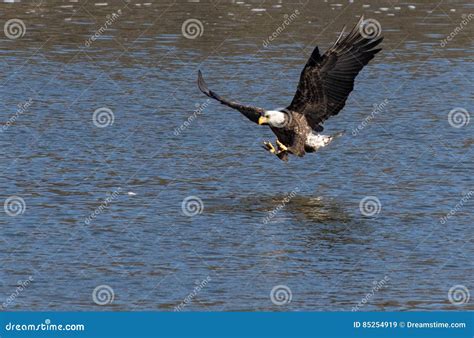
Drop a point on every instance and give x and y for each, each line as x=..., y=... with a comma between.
x=274, y=118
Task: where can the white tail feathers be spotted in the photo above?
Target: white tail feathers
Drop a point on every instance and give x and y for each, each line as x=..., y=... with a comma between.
x=317, y=141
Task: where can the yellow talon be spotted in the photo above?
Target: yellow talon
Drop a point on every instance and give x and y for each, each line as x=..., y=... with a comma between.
x=270, y=147
x=281, y=145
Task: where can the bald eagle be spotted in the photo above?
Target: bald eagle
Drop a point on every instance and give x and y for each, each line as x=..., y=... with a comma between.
x=325, y=83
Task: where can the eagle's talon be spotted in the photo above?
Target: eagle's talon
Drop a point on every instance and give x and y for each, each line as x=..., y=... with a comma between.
x=282, y=155
x=281, y=152
x=269, y=146
x=281, y=145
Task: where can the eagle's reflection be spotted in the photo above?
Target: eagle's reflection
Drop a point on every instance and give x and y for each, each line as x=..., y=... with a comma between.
x=307, y=220
x=281, y=206
x=318, y=210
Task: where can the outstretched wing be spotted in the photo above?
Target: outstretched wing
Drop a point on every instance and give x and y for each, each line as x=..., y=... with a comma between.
x=326, y=81
x=252, y=113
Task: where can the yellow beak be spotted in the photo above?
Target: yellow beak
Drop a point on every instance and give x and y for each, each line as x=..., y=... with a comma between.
x=262, y=120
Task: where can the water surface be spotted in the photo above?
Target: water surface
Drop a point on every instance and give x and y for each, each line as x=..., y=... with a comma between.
x=264, y=223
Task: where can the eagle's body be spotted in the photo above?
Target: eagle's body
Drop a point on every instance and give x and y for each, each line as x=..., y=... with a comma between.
x=297, y=135
x=325, y=83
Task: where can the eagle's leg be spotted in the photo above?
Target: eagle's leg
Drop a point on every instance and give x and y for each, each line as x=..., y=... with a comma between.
x=281, y=153
x=269, y=146
x=281, y=146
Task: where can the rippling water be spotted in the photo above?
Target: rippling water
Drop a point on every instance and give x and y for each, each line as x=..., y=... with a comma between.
x=100, y=204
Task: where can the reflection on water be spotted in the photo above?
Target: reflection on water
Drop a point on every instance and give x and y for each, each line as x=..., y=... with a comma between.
x=261, y=223
x=318, y=210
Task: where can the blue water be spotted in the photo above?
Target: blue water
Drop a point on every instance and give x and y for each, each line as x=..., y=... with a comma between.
x=262, y=223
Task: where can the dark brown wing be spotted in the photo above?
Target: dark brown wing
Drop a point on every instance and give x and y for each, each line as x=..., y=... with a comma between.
x=252, y=113
x=326, y=81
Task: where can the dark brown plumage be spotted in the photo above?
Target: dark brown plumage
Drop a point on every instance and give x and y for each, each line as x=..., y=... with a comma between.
x=325, y=83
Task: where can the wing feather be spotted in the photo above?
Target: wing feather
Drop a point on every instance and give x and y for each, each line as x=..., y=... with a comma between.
x=326, y=81
x=252, y=113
